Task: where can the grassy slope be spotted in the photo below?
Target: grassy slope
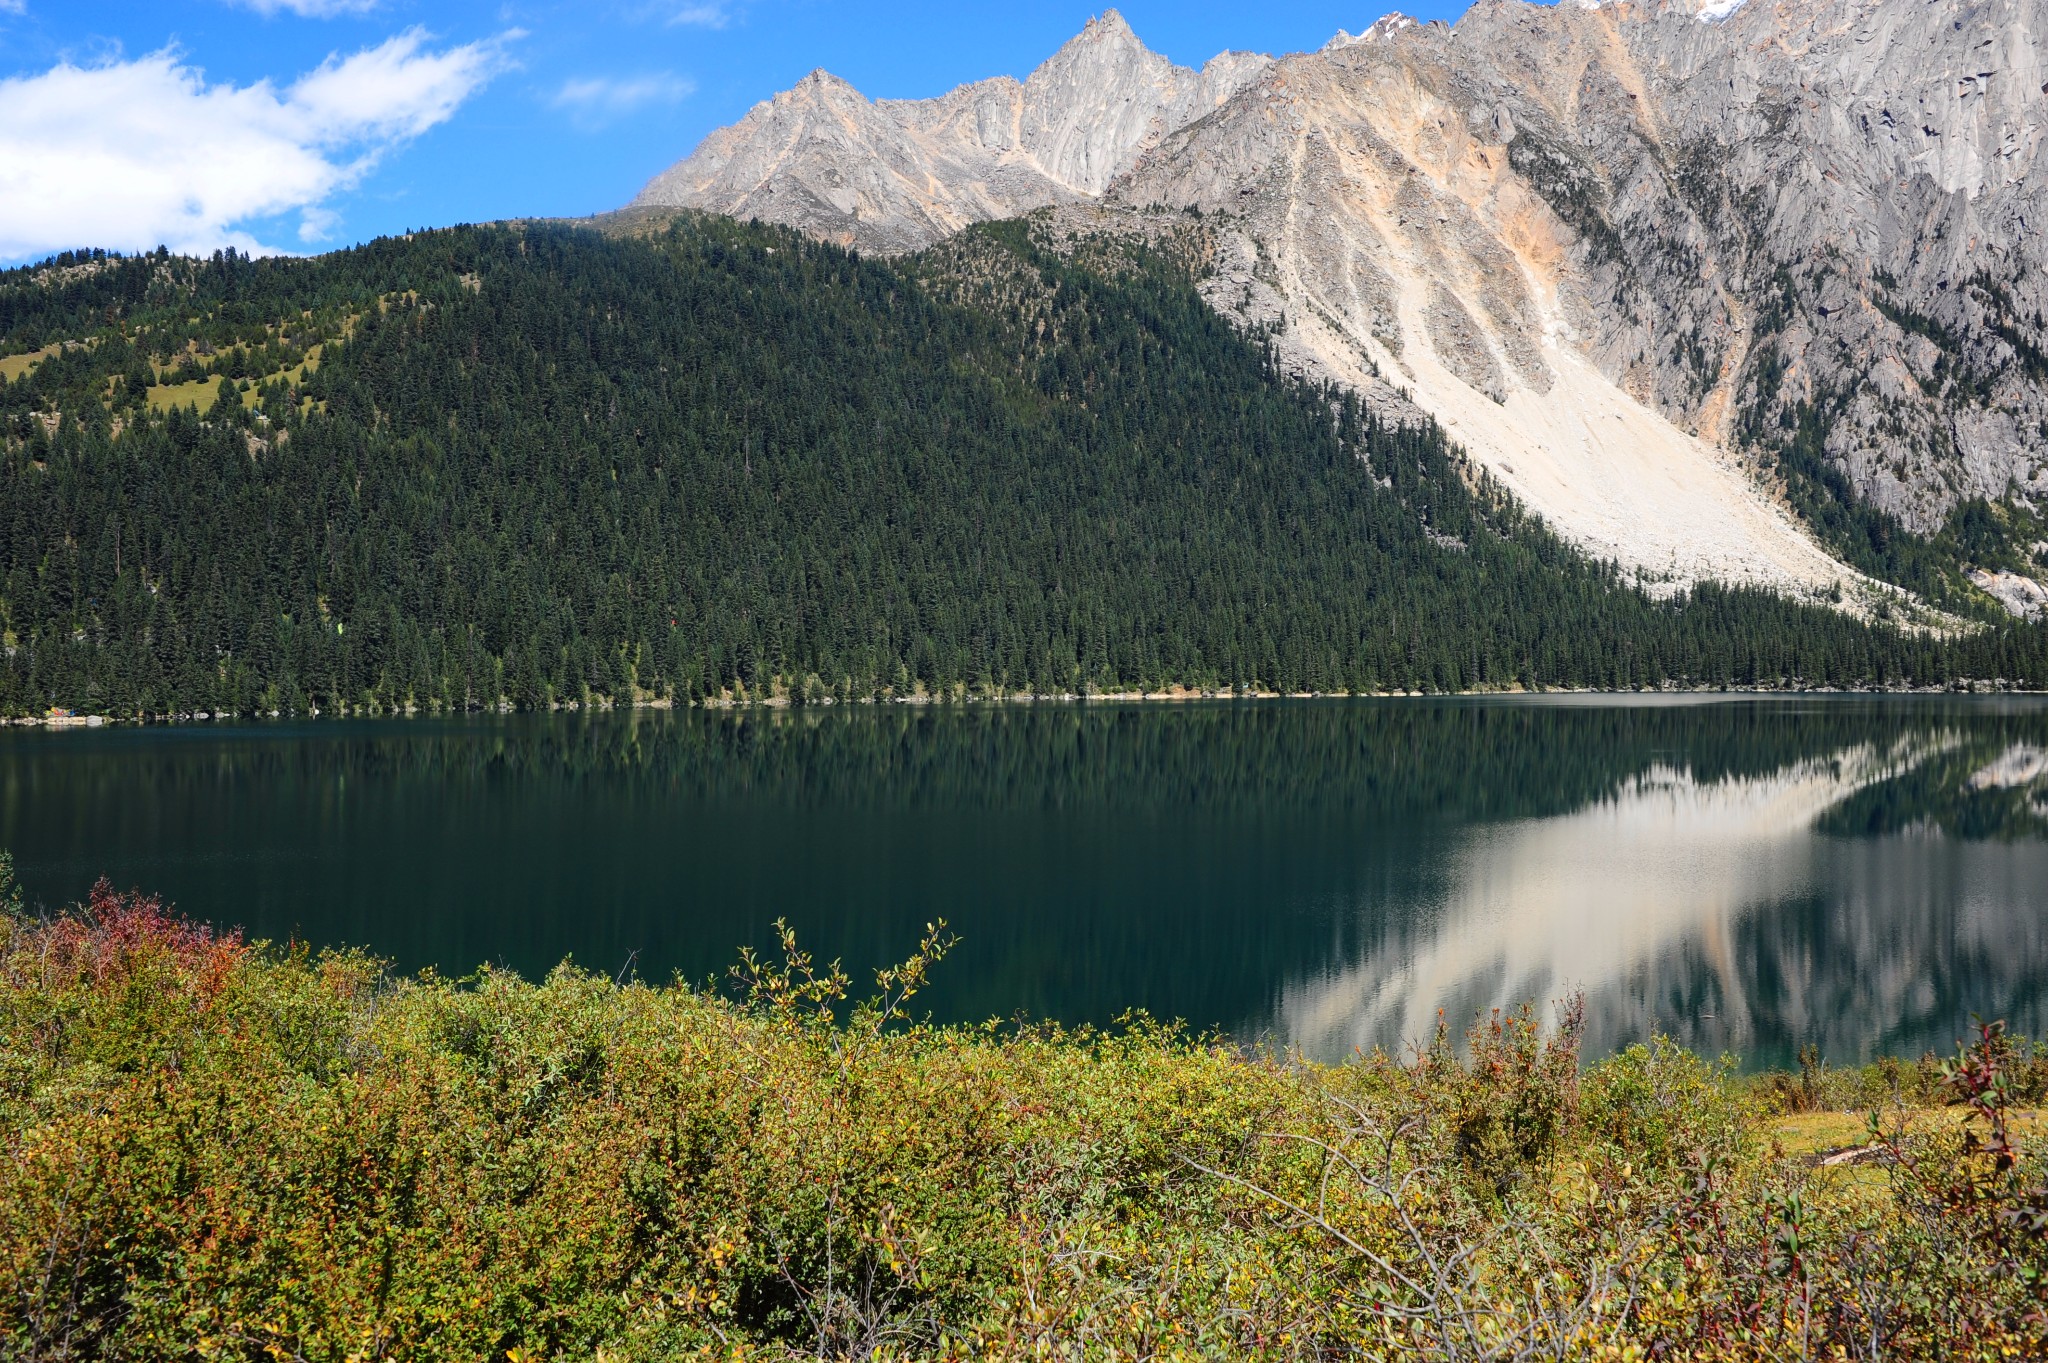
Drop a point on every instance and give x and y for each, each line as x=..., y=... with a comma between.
x=213, y=1151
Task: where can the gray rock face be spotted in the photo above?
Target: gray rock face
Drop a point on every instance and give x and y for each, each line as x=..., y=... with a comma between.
x=1615, y=246
x=896, y=175
x=1793, y=206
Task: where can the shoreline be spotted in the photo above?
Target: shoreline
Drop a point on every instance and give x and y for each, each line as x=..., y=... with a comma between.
x=1172, y=696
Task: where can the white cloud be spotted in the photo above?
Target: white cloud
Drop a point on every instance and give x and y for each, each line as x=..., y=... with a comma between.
x=13, y=6
x=594, y=102
x=703, y=13
x=308, y=9
x=696, y=13
x=317, y=224
x=131, y=154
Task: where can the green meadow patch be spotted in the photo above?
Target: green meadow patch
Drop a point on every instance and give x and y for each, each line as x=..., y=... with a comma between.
x=199, y=393
x=14, y=366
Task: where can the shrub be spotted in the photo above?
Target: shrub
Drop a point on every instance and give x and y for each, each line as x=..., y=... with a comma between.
x=212, y=1149
x=1513, y=1099
x=1661, y=1107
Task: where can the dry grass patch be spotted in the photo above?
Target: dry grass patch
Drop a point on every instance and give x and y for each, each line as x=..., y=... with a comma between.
x=198, y=393
x=13, y=367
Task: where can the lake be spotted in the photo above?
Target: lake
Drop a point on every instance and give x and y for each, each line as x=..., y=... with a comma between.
x=1741, y=873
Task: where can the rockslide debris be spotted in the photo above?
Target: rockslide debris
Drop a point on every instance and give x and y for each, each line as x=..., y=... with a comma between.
x=1612, y=246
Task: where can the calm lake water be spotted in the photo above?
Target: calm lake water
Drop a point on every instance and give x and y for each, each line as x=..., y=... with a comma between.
x=1739, y=873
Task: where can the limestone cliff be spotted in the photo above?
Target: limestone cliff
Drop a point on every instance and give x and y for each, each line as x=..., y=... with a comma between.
x=895, y=175
x=1618, y=248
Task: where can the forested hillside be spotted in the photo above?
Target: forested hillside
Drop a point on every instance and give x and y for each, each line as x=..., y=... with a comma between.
x=533, y=464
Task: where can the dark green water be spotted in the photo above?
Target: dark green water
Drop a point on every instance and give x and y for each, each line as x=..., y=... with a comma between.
x=1739, y=873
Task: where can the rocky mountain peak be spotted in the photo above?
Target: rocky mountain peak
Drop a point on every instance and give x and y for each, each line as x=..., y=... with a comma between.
x=820, y=84
x=1106, y=46
x=1630, y=252
x=1105, y=28
x=895, y=175
x=1378, y=31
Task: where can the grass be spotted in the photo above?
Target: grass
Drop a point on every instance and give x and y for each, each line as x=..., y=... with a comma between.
x=222, y=1150
x=201, y=393
x=1816, y=1133
x=13, y=367
x=198, y=393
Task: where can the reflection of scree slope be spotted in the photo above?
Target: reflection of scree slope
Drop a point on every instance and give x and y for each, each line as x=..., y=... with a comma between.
x=1541, y=907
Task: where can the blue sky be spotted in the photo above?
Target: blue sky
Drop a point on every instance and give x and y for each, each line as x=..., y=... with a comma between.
x=308, y=124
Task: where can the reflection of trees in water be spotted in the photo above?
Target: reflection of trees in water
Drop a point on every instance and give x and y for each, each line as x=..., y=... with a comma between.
x=1354, y=863
x=1911, y=939
x=1463, y=759
x=1929, y=902
x=1981, y=789
x=1870, y=898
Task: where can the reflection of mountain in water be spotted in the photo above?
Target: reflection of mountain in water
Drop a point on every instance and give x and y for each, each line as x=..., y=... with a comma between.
x=1867, y=901
x=1852, y=869
x=1961, y=793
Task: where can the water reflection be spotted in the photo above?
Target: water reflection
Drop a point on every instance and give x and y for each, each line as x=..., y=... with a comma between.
x=1733, y=913
x=1748, y=873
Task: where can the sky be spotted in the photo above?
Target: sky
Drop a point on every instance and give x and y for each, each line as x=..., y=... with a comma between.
x=306, y=125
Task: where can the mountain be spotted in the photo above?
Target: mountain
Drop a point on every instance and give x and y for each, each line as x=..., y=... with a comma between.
x=897, y=175
x=1747, y=291
x=534, y=464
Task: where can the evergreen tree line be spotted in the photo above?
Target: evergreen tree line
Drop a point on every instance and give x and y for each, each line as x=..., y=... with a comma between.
x=546, y=464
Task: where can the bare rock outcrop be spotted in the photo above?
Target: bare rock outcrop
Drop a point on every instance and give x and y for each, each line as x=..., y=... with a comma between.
x=896, y=175
x=1623, y=249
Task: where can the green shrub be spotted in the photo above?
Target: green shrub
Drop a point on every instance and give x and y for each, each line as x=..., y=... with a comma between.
x=217, y=1150
x=1511, y=1100
x=1659, y=1106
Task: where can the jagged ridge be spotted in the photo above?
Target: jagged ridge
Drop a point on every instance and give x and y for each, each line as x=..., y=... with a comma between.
x=896, y=175
x=1657, y=263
